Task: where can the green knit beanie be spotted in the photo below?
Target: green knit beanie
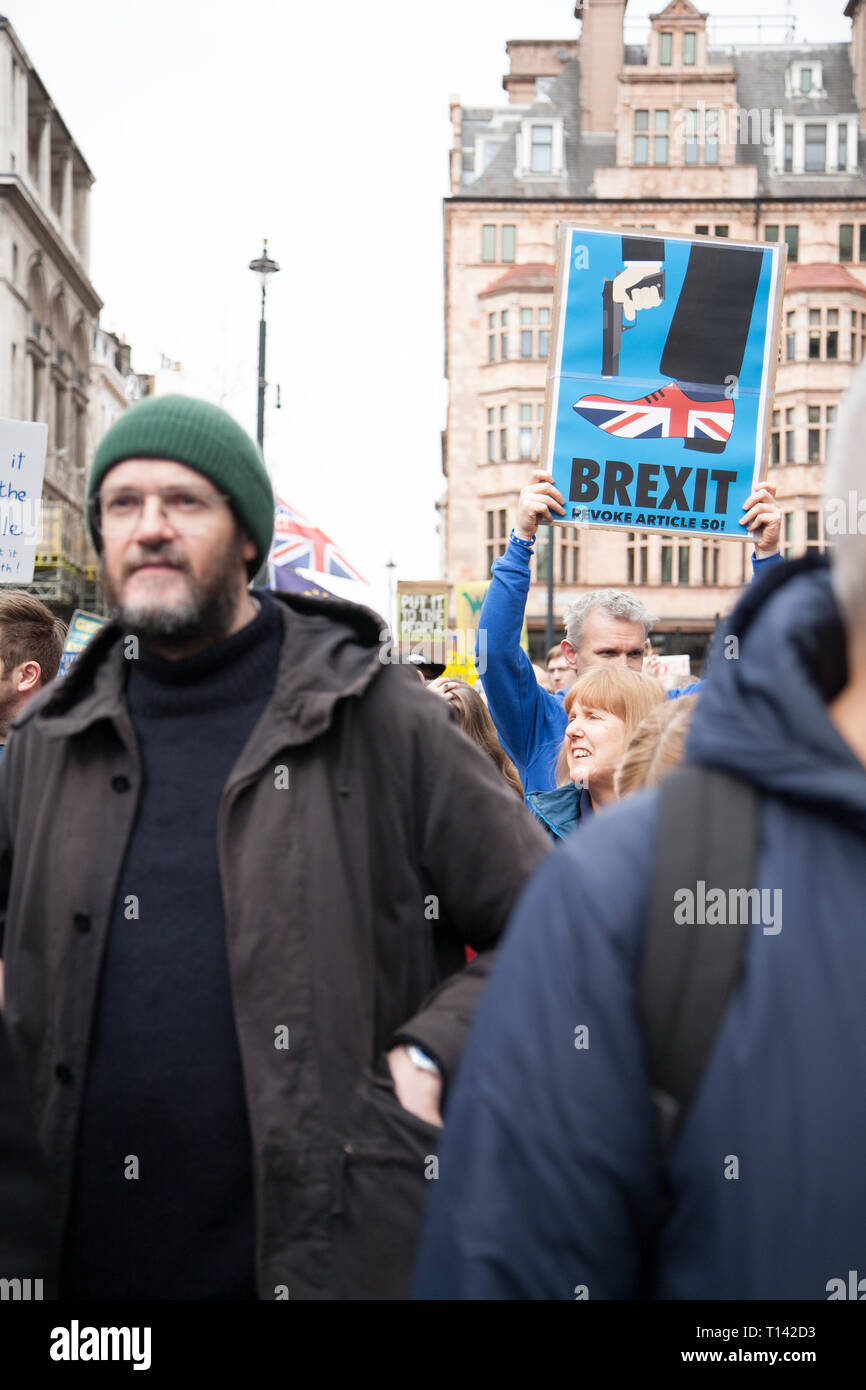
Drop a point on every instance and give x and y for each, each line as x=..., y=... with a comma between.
x=203, y=437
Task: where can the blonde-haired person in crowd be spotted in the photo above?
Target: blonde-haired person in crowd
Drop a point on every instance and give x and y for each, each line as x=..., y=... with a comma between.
x=471, y=714
x=604, y=707
x=656, y=747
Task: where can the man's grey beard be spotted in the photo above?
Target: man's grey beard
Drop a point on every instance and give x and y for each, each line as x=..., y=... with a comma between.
x=204, y=619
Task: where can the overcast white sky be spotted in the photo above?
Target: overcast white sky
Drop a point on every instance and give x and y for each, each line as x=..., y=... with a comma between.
x=323, y=126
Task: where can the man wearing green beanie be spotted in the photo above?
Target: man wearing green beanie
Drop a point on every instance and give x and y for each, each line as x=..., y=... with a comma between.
x=172, y=599
x=237, y=852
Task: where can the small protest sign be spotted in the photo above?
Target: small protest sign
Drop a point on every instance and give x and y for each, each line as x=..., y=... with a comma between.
x=661, y=373
x=82, y=627
x=674, y=671
x=22, y=468
x=422, y=611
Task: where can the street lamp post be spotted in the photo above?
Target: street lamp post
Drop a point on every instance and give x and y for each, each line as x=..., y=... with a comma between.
x=262, y=268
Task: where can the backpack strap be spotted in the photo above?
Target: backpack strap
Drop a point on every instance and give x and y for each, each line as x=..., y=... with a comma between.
x=707, y=833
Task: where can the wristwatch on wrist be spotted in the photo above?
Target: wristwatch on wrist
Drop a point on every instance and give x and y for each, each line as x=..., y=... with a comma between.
x=421, y=1060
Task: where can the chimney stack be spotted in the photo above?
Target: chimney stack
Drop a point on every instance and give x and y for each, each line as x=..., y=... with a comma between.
x=602, y=53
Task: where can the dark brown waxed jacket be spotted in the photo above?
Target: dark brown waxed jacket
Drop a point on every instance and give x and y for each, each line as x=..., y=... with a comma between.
x=363, y=839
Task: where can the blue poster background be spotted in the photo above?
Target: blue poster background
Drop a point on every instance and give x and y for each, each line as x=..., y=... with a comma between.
x=594, y=256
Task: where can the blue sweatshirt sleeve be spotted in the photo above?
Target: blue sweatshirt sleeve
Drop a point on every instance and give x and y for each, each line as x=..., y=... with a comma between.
x=760, y=563
x=520, y=709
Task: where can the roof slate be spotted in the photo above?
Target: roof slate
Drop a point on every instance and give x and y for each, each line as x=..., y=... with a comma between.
x=760, y=73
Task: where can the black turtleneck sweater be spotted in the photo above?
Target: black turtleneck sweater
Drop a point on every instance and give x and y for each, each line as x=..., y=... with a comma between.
x=164, y=1083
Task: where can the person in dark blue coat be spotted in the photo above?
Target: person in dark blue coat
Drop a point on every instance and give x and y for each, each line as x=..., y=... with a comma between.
x=547, y=1172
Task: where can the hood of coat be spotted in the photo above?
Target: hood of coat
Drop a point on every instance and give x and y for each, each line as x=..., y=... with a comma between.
x=332, y=649
x=763, y=712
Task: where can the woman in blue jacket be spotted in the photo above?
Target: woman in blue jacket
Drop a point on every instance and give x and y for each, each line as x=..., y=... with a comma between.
x=603, y=708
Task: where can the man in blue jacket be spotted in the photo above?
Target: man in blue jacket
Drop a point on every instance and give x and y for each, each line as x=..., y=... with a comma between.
x=547, y=1174
x=603, y=628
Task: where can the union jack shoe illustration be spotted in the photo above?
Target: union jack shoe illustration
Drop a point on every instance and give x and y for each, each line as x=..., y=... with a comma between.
x=698, y=415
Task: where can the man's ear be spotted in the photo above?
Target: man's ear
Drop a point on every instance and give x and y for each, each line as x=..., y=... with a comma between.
x=569, y=651
x=249, y=549
x=29, y=677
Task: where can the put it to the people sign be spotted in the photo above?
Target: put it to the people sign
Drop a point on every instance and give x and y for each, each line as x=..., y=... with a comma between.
x=22, y=468
x=660, y=378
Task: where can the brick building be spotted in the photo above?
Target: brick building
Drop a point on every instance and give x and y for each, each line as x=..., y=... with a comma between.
x=751, y=141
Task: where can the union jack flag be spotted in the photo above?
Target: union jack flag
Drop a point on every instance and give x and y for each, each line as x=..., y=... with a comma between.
x=297, y=542
x=668, y=413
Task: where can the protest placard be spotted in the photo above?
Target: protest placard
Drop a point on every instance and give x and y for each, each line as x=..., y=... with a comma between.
x=660, y=379
x=422, y=611
x=82, y=626
x=22, y=467
x=674, y=671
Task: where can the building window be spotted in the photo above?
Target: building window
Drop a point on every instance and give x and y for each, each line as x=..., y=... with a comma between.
x=722, y=230
x=569, y=553
x=788, y=550
x=691, y=137
x=509, y=238
x=641, y=141
x=775, y=455
x=667, y=555
x=789, y=435
x=821, y=420
x=789, y=147
x=539, y=412
x=526, y=342
x=771, y=232
x=862, y=248
x=683, y=564
x=814, y=435
x=816, y=149
x=710, y=562
x=813, y=528
x=792, y=237
x=660, y=139
x=711, y=137
x=541, y=149
x=636, y=557
x=689, y=48
x=846, y=241
x=805, y=80
x=491, y=436
x=488, y=242
x=702, y=230
x=525, y=432
x=666, y=48
x=496, y=536
x=842, y=147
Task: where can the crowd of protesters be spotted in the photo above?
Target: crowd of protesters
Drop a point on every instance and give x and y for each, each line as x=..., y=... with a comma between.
x=255, y=875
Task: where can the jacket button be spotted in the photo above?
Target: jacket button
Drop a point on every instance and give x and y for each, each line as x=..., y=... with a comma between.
x=120, y=783
x=62, y=1072
x=81, y=922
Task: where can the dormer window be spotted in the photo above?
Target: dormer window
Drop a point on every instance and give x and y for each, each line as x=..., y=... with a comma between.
x=805, y=79
x=816, y=149
x=539, y=149
x=689, y=49
x=804, y=146
x=666, y=49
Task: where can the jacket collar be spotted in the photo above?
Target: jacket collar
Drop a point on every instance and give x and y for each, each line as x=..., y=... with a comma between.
x=330, y=651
